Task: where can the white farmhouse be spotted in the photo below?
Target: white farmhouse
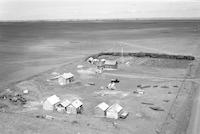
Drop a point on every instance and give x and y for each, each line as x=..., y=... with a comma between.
x=50, y=102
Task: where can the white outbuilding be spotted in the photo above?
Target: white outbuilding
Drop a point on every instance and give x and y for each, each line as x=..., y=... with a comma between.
x=111, y=86
x=114, y=111
x=50, y=102
x=110, y=65
x=90, y=60
x=62, y=106
x=65, y=78
x=75, y=107
x=100, y=110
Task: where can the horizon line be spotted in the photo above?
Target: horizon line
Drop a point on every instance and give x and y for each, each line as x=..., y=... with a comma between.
x=107, y=20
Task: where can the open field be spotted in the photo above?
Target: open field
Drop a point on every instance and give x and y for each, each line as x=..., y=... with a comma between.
x=40, y=48
x=24, y=46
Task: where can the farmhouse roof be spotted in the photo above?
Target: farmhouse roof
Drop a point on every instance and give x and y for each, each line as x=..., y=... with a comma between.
x=53, y=99
x=65, y=103
x=110, y=62
x=115, y=107
x=77, y=103
x=103, y=106
x=67, y=75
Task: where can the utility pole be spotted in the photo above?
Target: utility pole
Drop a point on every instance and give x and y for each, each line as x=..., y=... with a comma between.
x=122, y=53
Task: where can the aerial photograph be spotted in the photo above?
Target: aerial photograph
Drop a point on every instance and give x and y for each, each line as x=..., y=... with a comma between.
x=99, y=66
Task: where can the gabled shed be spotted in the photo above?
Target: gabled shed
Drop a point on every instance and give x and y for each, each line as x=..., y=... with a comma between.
x=62, y=107
x=100, y=110
x=75, y=107
x=65, y=78
x=50, y=102
x=114, y=111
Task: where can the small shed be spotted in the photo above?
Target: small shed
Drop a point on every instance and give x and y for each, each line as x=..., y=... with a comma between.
x=100, y=110
x=111, y=86
x=90, y=60
x=50, y=102
x=114, y=111
x=110, y=64
x=62, y=107
x=76, y=107
x=65, y=78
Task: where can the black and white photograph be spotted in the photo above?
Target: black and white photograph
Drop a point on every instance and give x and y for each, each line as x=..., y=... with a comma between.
x=99, y=66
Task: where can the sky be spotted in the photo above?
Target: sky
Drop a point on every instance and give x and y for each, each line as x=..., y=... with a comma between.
x=97, y=9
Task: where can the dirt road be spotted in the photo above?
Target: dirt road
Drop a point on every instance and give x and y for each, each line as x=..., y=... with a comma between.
x=194, y=124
